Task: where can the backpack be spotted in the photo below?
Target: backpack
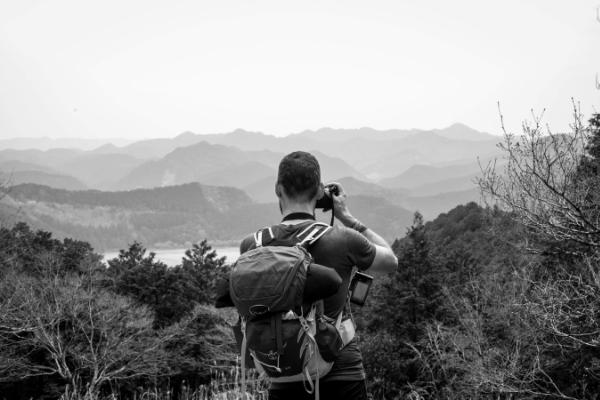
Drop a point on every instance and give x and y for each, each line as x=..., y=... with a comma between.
x=288, y=341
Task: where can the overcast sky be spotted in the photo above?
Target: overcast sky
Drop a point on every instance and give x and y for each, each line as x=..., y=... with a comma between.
x=133, y=69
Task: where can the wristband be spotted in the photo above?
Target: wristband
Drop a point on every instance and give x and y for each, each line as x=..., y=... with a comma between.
x=358, y=226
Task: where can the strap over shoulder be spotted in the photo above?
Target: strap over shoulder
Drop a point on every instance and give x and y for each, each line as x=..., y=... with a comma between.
x=312, y=233
x=306, y=237
x=261, y=234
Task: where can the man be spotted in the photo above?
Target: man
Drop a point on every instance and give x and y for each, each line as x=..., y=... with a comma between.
x=298, y=188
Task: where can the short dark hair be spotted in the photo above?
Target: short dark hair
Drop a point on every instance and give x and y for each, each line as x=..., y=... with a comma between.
x=300, y=175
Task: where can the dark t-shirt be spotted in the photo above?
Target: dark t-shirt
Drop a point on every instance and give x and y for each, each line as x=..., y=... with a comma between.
x=342, y=249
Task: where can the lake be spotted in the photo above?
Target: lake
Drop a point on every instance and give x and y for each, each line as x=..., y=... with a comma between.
x=173, y=257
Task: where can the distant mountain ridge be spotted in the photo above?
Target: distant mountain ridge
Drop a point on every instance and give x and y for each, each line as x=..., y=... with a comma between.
x=394, y=165
x=46, y=143
x=220, y=165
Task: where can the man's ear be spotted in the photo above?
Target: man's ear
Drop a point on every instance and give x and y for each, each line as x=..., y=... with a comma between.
x=320, y=191
x=278, y=190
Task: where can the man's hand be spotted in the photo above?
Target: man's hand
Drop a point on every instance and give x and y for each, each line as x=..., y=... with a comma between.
x=385, y=260
x=340, y=208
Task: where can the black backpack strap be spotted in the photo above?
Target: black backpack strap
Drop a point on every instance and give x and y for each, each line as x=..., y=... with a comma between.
x=277, y=329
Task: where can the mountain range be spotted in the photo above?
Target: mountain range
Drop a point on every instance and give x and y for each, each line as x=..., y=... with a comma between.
x=427, y=170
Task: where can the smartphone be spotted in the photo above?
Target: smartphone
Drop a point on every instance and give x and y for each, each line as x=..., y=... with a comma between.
x=359, y=288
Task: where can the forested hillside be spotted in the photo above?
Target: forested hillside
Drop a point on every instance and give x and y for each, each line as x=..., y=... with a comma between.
x=173, y=216
x=499, y=304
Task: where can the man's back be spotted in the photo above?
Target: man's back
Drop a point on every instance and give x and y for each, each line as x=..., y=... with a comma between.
x=341, y=249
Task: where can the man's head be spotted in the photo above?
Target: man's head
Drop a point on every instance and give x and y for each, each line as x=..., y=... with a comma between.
x=299, y=178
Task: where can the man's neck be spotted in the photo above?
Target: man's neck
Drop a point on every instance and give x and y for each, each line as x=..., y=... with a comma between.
x=297, y=209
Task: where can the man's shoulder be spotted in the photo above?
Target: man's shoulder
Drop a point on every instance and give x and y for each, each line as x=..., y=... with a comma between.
x=247, y=243
x=340, y=232
x=337, y=236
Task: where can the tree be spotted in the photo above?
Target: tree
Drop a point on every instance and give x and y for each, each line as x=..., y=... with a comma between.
x=204, y=268
x=171, y=293
x=542, y=182
x=551, y=185
x=405, y=303
x=66, y=325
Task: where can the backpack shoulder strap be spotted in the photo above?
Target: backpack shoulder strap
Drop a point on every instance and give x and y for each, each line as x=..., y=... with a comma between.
x=306, y=237
x=309, y=235
x=263, y=235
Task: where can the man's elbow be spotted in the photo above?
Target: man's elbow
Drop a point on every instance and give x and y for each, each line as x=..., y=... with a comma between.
x=392, y=263
x=385, y=261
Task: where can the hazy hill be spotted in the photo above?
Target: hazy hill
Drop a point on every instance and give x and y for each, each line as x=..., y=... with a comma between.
x=220, y=165
x=429, y=205
x=94, y=170
x=17, y=177
x=49, y=158
x=100, y=171
x=375, y=153
x=460, y=131
x=191, y=164
x=365, y=153
x=426, y=149
x=456, y=132
x=419, y=175
x=18, y=165
x=433, y=205
x=170, y=216
x=460, y=183
x=343, y=135
x=15, y=172
x=154, y=148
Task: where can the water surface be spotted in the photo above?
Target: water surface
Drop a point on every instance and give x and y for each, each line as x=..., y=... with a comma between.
x=172, y=257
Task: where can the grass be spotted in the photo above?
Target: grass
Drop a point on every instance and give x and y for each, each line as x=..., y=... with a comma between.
x=225, y=384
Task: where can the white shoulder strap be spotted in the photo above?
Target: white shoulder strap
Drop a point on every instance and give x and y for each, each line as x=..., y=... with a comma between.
x=315, y=232
x=258, y=236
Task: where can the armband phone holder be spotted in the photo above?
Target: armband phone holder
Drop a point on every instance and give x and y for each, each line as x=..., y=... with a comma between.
x=359, y=288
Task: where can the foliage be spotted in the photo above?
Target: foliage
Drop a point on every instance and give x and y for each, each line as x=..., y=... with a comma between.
x=551, y=185
x=71, y=327
x=446, y=316
x=173, y=292
x=549, y=182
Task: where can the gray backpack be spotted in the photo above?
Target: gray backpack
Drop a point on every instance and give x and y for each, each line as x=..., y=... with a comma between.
x=288, y=341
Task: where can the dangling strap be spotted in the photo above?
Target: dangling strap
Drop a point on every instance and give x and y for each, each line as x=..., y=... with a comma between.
x=317, y=395
x=244, y=345
x=312, y=350
x=338, y=321
x=264, y=364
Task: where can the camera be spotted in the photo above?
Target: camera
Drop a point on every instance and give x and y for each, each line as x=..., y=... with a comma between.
x=326, y=202
x=359, y=288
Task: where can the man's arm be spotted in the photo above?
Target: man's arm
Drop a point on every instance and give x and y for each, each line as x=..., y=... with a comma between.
x=385, y=260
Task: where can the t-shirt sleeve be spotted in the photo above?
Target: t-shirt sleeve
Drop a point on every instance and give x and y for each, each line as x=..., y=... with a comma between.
x=360, y=250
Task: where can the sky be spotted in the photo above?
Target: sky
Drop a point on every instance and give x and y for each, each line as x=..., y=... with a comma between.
x=144, y=69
